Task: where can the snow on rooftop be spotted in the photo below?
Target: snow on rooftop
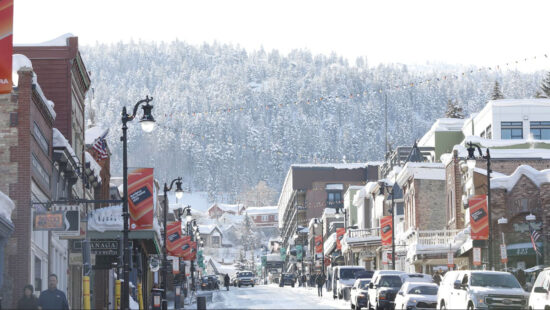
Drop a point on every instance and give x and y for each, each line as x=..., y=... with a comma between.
x=208, y=229
x=504, y=153
x=329, y=244
x=500, y=143
x=508, y=182
x=421, y=171
x=21, y=61
x=96, y=168
x=228, y=207
x=262, y=210
x=95, y=132
x=60, y=141
x=336, y=165
x=519, y=102
x=6, y=206
x=59, y=41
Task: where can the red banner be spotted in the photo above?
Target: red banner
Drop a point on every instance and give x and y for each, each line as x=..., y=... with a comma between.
x=340, y=232
x=174, y=238
x=191, y=253
x=318, y=244
x=140, y=198
x=386, y=230
x=6, y=45
x=479, y=217
x=185, y=247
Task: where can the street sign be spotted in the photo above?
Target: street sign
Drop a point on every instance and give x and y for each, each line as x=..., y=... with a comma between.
x=477, y=256
x=503, y=253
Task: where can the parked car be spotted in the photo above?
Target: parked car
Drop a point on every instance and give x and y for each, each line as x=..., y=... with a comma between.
x=210, y=282
x=245, y=278
x=540, y=297
x=359, y=293
x=343, y=278
x=472, y=289
x=417, y=295
x=383, y=288
x=288, y=279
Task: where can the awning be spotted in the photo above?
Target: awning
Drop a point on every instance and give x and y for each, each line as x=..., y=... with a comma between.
x=148, y=237
x=521, y=249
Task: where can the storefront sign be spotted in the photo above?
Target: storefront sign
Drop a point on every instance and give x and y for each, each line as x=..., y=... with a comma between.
x=141, y=194
x=107, y=247
x=477, y=256
x=479, y=217
x=386, y=229
x=62, y=222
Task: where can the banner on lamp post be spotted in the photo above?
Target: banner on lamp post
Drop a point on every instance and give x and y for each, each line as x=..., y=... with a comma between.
x=6, y=46
x=340, y=232
x=386, y=229
x=141, y=198
x=477, y=256
x=318, y=244
x=479, y=217
x=174, y=238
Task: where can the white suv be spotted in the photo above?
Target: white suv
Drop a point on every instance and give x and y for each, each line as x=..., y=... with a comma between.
x=540, y=298
x=473, y=289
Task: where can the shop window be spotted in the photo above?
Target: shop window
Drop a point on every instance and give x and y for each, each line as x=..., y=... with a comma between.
x=511, y=130
x=540, y=130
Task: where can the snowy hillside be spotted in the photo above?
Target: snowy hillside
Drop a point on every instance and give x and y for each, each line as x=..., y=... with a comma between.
x=277, y=110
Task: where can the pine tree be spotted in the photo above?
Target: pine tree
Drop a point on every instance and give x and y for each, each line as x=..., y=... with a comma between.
x=497, y=94
x=545, y=86
x=454, y=110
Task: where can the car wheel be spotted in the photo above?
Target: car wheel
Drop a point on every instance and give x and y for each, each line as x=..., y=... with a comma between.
x=352, y=306
x=443, y=307
x=470, y=306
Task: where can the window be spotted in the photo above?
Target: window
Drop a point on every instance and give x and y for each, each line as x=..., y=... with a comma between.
x=42, y=141
x=540, y=130
x=215, y=241
x=37, y=274
x=334, y=197
x=511, y=130
x=265, y=218
x=40, y=170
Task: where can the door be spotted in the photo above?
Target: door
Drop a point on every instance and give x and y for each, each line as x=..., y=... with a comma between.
x=459, y=297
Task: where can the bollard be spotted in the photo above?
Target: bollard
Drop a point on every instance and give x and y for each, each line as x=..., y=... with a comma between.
x=201, y=302
x=140, y=296
x=117, y=294
x=86, y=292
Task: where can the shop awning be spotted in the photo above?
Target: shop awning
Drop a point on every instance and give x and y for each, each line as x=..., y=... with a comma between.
x=521, y=249
x=149, y=238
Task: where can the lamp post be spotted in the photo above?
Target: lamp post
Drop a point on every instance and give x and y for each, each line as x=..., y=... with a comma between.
x=316, y=223
x=179, y=194
x=471, y=161
x=147, y=124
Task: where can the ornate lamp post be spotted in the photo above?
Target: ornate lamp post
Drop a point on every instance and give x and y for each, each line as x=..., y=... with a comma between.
x=179, y=194
x=147, y=124
x=471, y=161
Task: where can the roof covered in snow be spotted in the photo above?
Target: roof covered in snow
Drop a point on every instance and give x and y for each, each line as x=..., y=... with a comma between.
x=6, y=206
x=508, y=182
x=208, y=229
x=59, y=41
x=94, y=166
x=60, y=141
x=228, y=207
x=338, y=165
x=95, y=132
x=262, y=210
x=421, y=171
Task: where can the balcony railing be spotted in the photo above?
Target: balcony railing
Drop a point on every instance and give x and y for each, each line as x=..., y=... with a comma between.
x=434, y=237
x=363, y=233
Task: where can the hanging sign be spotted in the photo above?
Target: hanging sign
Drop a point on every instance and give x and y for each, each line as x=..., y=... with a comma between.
x=479, y=217
x=450, y=260
x=141, y=198
x=174, y=238
x=477, y=256
x=503, y=254
x=386, y=229
x=63, y=222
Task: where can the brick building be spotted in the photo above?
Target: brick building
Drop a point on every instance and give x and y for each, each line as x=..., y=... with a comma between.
x=264, y=216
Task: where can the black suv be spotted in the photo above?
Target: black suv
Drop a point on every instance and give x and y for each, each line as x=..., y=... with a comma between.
x=386, y=286
x=288, y=279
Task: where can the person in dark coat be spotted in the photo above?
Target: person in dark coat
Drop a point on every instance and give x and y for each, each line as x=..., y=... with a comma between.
x=437, y=277
x=28, y=301
x=226, y=281
x=52, y=298
x=521, y=277
x=320, y=281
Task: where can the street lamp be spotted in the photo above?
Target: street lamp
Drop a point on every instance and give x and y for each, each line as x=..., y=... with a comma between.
x=147, y=124
x=316, y=223
x=179, y=192
x=471, y=162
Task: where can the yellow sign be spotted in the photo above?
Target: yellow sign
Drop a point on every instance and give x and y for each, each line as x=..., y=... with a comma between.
x=49, y=221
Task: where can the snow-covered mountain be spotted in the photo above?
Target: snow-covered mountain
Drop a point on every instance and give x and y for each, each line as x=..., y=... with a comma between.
x=227, y=118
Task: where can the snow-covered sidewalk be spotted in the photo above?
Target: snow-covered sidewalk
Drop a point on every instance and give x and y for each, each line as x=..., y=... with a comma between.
x=274, y=297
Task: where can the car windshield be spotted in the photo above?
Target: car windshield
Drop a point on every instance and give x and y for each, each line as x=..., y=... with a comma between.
x=494, y=280
x=349, y=273
x=423, y=290
x=390, y=281
x=245, y=274
x=364, y=284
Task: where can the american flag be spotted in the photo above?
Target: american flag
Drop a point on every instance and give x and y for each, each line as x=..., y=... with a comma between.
x=535, y=235
x=100, y=146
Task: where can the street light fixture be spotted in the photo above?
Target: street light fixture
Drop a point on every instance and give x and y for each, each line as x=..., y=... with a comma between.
x=530, y=218
x=147, y=124
x=179, y=191
x=471, y=161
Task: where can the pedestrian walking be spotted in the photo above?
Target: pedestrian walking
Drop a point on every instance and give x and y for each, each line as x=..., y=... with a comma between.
x=28, y=301
x=226, y=281
x=320, y=281
x=521, y=277
x=437, y=277
x=52, y=298
x=304, y=280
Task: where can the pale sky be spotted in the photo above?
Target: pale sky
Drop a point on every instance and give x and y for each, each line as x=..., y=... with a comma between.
x=479, y=32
